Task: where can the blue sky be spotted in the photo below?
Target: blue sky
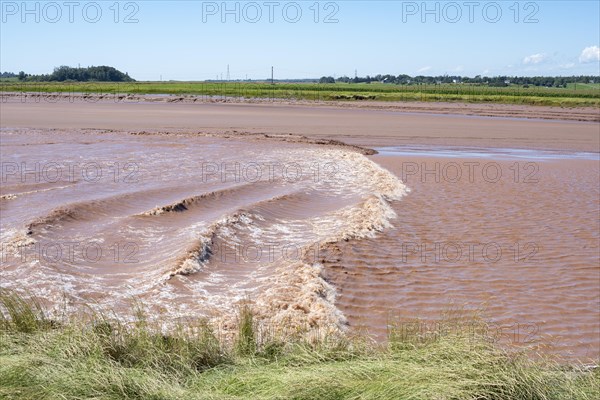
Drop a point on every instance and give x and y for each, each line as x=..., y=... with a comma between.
x=195, y=40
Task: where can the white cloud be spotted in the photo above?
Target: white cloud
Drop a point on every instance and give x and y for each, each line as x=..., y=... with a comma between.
x=424, y=69
x=459, y=68
x=534, y=59
x=567, y=65
x=590, y=54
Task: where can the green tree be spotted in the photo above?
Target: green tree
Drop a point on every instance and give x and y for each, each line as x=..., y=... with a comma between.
x=327, y=79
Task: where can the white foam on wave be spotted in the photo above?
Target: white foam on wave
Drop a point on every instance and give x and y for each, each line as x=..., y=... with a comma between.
x=342, y=196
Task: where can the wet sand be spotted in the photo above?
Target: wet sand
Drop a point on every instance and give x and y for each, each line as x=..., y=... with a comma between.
x=385, y=253
x=589, y=114
x=360, y=126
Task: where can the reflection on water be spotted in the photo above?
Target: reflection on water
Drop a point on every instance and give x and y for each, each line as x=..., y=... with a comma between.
x=491, y=153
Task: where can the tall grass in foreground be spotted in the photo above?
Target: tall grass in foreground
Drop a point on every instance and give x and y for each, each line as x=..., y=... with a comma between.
x=107, y=359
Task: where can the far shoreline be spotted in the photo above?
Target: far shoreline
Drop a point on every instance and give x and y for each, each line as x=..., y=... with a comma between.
x=434, y=108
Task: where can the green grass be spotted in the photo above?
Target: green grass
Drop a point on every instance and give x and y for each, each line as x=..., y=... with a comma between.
x=95, y=358
x=584, y=86
x=565, y=97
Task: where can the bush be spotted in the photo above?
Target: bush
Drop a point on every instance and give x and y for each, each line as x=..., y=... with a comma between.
x=107, y=359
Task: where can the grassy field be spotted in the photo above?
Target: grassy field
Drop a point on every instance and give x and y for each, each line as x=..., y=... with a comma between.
x=583, y=95
x=97, y=358
x=583, y=86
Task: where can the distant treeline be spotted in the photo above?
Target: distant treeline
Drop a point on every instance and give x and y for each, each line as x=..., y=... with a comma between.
x=109, y=74
x=63, y=73
x=498, y=81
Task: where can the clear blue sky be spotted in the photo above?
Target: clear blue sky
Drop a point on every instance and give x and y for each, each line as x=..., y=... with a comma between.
x=188, y=40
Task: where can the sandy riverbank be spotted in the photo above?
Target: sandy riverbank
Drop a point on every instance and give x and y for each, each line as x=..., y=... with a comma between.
x=362, y=126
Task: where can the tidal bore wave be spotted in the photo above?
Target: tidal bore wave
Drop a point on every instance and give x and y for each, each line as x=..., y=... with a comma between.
x=209, y=224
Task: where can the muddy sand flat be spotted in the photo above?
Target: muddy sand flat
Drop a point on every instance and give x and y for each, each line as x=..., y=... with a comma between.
x=367, y=126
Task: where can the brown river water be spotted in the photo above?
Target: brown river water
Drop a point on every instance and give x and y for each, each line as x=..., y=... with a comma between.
x=311, y=235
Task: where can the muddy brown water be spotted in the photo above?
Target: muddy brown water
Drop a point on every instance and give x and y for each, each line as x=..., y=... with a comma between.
x=312, y=235
x=513, y=237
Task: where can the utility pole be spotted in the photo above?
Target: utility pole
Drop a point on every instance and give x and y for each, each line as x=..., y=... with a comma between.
x=228, y=76
x=272, y=81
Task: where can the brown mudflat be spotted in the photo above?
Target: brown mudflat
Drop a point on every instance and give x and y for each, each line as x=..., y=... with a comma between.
x=367, y=126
